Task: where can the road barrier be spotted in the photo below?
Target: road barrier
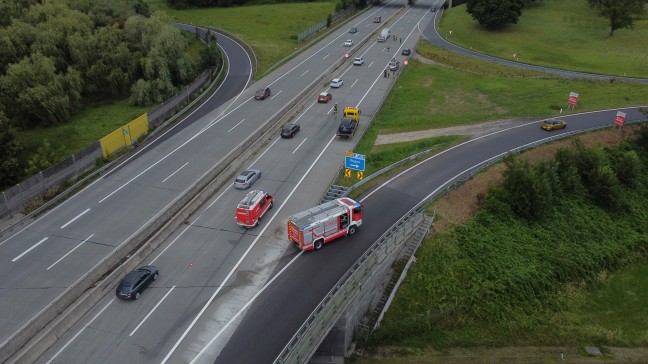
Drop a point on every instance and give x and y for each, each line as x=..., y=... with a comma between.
x=350, y=287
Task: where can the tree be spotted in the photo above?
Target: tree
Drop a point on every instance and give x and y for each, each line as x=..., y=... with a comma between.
x=495, y=14
x=10, y=149
x=621, y=13
x=529, y=189
x=45, y=157
x=40, y=96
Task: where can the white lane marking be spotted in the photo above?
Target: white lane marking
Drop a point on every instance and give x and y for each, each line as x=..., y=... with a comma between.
x=277, y=94
x=370, y=64
x=75, y=218
x=70, y=252
x=210, y=205
x=299, y=145
x=202, y=351
x=237, y=124
x=150, y=312
x=247, y=251
x=304, y=73
x=325, y=56
x=80, y=331
x=176, y=171
x=354, y=82
x=30, y=249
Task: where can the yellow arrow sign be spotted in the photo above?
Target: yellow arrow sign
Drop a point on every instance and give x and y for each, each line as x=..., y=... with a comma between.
x=360, y=175
x=347, y=173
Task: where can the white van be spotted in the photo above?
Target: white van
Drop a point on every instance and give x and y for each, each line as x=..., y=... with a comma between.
x=384, y=35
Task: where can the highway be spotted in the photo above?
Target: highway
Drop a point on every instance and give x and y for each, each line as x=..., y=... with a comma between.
x=212, y=302
x=205, y=259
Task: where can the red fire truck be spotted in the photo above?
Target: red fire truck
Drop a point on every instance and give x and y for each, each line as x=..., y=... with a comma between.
x=313, y=228
x=252, y=208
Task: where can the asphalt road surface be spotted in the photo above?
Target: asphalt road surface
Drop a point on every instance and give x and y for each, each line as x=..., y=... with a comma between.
x=211, y=302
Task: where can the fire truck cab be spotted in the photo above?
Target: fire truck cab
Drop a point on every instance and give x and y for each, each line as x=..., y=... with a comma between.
x=252, y=208
x=312, y=228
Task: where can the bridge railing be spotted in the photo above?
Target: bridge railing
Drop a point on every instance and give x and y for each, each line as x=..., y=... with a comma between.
x=343, y=294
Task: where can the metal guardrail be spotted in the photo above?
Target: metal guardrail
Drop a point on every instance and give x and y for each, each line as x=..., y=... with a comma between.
x=330, y=309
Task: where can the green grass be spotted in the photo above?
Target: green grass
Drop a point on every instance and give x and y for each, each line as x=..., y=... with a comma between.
x=465, y=91
x=615, y=314
x=86, y=127
x=563, y=34
x=499, y=280
x=271, y=30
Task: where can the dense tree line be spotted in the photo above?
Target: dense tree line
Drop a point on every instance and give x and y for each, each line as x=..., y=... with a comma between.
x=57, y=53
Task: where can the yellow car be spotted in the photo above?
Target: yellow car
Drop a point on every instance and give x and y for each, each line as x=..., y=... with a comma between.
x=553, y=124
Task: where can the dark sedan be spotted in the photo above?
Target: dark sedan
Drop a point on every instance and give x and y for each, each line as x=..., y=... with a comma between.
x=262, y=94
x=406, y=51
x=289, y=130
x=135, y=282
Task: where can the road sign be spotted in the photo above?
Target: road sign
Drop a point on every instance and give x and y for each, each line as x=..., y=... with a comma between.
x=346, y=55
x=573, y=98
x=405, y=63
x=620, y=118
x=360, y=175
x=354, y=161
x=347, y=173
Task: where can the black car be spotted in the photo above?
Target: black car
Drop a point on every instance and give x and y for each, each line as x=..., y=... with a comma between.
x=353, y=30
x=406, y=51
x=433, y=9
x=289, y=130
x=135, y=282
x=262, y=94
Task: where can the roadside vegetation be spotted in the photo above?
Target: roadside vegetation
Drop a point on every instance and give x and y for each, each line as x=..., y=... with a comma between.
x=71, y=72
x=553, y=277
x=264, y=27
x=565, y=34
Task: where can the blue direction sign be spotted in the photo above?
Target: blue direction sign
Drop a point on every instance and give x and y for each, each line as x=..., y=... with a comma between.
x=354, y=161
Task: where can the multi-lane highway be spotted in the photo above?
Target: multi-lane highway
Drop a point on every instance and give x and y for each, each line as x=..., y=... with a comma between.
x=212, y=260
x=213, y=300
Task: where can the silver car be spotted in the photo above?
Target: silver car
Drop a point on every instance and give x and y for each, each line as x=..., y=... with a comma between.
x=247, y=178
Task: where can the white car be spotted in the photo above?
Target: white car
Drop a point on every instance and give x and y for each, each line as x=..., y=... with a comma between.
x=348, y=43
x=358, y=61
x=337, y=82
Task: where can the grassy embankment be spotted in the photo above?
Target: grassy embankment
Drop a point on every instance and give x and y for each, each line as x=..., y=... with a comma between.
x=459, y=90
x=271, y=30
x=563, y=34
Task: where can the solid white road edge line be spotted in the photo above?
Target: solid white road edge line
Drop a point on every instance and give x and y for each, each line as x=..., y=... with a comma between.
x=238, y=263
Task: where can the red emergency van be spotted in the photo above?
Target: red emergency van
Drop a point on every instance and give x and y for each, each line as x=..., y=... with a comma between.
x=252, y=208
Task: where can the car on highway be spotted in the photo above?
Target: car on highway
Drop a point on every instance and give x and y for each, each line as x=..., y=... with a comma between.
x=289, y=130
x=358, y=61
x=353, y=30
x=262, y=94
x=553, y=124
x=377, y=19
x=337, y=82
x=433, y=9
x=135, y=282
x=348, y=43
x=406, y=51
x=247, y=178
x=393, y=65
x=324, y=97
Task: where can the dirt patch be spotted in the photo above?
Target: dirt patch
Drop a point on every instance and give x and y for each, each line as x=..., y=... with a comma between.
x=489, y=355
